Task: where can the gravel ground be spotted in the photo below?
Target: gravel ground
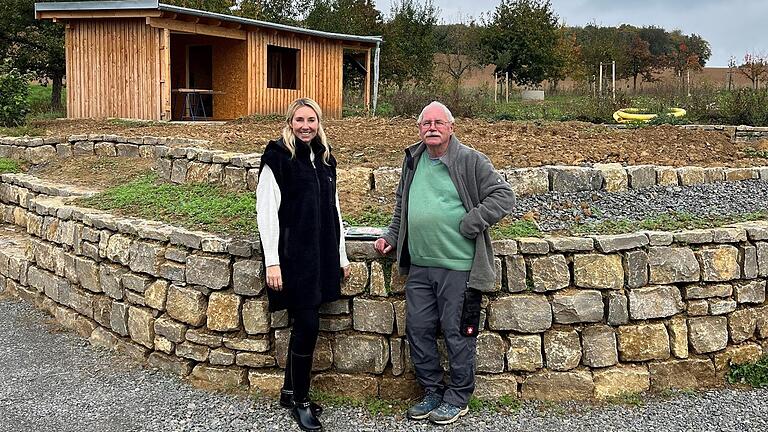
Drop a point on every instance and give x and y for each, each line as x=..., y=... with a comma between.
x=55, y=381
x=558, y=211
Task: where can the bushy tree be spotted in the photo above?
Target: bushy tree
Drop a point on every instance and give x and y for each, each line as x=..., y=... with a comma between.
x=409, y=42
x=459, y=51
x=754, y=67
x=521, y=39
x=14, y=89
x=358, y=17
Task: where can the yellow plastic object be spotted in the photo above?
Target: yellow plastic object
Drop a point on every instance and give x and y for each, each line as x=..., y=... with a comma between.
x=633, y=115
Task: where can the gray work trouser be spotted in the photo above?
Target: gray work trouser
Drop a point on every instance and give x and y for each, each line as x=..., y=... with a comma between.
x=434, y=297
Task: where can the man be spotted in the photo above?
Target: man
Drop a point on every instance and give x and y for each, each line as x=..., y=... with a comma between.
x=448, y=197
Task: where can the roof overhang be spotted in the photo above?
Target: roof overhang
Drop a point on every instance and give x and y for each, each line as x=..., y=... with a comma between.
x=154, y=9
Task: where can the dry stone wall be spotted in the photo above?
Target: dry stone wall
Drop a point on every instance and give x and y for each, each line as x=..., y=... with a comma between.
x=570, y=317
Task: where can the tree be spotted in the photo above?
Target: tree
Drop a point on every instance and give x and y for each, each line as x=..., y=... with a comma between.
x=521, y=39
x=640, y=61
x=359, y=17
x=459, y=49
x=755, y=67
x=32, y=45
x=569, y=52
x=409, y=42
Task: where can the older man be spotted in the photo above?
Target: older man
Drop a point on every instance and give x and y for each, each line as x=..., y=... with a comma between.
x=449, y=195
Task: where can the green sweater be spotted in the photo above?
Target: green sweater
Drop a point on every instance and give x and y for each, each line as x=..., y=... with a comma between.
x=434, y=217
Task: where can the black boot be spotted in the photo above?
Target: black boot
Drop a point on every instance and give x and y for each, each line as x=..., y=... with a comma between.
x=286, y=401
x=301, y=368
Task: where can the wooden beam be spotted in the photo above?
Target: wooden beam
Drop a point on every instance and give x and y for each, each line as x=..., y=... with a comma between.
x=188, y=27
x=60, y=15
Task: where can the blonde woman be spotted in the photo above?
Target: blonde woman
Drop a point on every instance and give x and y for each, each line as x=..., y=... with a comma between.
x=301, y=236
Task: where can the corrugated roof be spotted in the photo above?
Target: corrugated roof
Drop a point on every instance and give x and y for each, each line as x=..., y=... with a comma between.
x=155, y=5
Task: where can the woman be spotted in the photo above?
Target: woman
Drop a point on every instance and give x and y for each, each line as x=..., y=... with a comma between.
x=300, y=227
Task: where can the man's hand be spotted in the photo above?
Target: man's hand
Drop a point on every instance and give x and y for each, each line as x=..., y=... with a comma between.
x=274, y=277
x=345, y=273
x=382, y=246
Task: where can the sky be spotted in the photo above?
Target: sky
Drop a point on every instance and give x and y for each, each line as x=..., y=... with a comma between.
x=732, y=27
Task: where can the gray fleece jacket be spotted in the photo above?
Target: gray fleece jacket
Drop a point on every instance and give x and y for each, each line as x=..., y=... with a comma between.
x=486, y=196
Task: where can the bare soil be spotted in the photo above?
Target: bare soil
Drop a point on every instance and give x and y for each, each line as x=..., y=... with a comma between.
x=377, y=142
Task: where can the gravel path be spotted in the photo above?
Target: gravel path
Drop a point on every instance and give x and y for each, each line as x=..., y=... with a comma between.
x=559, y=211
x=55, y=381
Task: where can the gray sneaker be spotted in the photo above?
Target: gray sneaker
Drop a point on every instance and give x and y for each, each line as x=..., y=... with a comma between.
x=447, y=413
x=421, y=410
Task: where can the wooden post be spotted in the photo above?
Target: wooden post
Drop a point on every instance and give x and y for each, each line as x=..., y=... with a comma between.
x=506, y=79
x=495, y=87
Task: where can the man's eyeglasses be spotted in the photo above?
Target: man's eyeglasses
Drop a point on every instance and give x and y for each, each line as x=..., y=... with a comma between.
x=426, y=124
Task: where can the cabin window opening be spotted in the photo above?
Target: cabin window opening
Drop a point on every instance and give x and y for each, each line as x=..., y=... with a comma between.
x=282, y=67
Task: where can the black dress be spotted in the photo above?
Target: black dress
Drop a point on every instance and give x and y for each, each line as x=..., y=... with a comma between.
x=308, y=244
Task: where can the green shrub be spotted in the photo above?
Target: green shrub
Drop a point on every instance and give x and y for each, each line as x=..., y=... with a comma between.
x=409, y=100
x=754, y=374
x=14, y=90
x=9, y=166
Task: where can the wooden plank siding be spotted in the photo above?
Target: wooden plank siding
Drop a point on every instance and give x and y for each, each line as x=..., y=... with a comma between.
x=115, y=69
x=320, y=73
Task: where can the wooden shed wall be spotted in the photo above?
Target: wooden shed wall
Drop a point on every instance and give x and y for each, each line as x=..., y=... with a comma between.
x=114, y=69
x=320, y=73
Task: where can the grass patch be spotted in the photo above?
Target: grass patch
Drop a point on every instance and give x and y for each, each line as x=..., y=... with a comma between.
x=628, y=399
x=755, y=153
x=506, y=404
x=508, y=229
x=23, y=130
x=370, y=216
x=194, y=205
x=132, y=123
x=374, y=406
x=9, y=166
x=754, y=374
x=667, y=222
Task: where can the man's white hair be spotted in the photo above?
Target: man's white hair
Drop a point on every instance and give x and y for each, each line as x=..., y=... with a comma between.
x=448, y=114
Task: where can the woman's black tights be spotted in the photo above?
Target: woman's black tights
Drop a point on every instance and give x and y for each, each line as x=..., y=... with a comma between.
x=301, y=348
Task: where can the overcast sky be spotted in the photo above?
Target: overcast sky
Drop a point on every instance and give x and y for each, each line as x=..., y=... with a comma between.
x=732, y=27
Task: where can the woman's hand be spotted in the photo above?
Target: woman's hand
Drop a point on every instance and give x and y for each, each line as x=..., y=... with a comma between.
x=274, y=278
x=345, y=272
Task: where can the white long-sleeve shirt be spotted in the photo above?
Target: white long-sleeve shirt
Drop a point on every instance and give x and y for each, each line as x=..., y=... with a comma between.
x=268, y=200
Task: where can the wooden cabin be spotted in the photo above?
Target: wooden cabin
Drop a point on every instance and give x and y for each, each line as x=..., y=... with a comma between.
x=142, y=59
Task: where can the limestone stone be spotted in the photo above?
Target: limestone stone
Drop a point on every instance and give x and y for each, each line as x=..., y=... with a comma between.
x=620, y=242
x=528, y=181
x=574, y=306
x=256, y=317
x=574, y=179
x=598, y=271
x=222, y=356
x=719, y=264
x=146, y=257
x=135, y=282
x=495, y=387
x=655, y=302
x=713, y=174
x=358, y=279
x=658, y=238
x=396, y=280
x=524, y=353
x=141, y=326
x=118, y=249
x=209, y=271
x=697, y=308
x=516, y=275
x=549, y=273
x=739, y=174
x=118, y=318
x=532, y=245
x=377, y=286
x=636, y=268
x=267, y=383
x=729, y=235
x=504, y=247
x=202, y=336
x=103, y=338
x=156, y=294
x=353, y=386
x=721, y=306
x=88, y=273
x=186, y=305
x=526, y=313
x=170, y=329
x=742, y=325
x=164, y=345
x=748, y=262
x=666, y=176
x=737, y=355
x=750, y=292
x=490, y=352
x=172, y=271
x=670, y=265
x=692, y=373
x=707, y=291
x=558, y=386
x=615, y=177
x=193, y=351
x=248, y=344
x=385, y=181
x=224, y=311
x=170, y=364
x=621, y=380
x=220, y=377
x=708, y=334
x=377, y=316
x=618, y=308
x=678, y=337
x=254, y=360
x=361, y=353
x=570, y=244
x=335, y=324
x=562, y=349
x=641, y=176
x=762, y=258
x=599, y=346
x=247, y=278
x=400, y=316
x=643, y=342
x=397, y=355
x=694, y=236
x=690, y=175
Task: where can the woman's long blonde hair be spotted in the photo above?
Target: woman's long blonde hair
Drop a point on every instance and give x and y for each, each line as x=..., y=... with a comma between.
x=290, y=139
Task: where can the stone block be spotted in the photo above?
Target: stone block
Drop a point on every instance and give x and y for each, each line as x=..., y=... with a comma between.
x=558, y=386
x=670, y=265
x=737, y=355
x=516, y=274
x=490, y=353
x=524, y=353
x=598, y=271
x=528, y=181
x=748, y=261
x=666, y=176
x=574, y=306
x=358, y=279
x=377, y=285
x=621, y=380
x=549, y=273
x=170, y=364
x=118, y=249
x=525, y=313
x=156, y=294
x=693, y=373
x=615, y=177
x=618, y=308
x=678, y=337
x=643, y=342
x=146, y=257
x=562, y=349
x=636, y=268
x=719, y=264
x=532, y=246
x=707, y=291
x=256, y=317
x=220, y=377
x=224, y=311
x=141, y=326
x=750, y=292
x=88, y=274
x=574, y=179
x=361, y=353
x=247, y=278
x=353, y=386
x=641, y=176
x=377, y=316
x=208, y=271
x=655, y=302
x=599, y=346
x=721, y=306
x=708, y=334
x=118, y=318
x=742, y=325
x=619, y=242
x=495, y=387
x=186, y=305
